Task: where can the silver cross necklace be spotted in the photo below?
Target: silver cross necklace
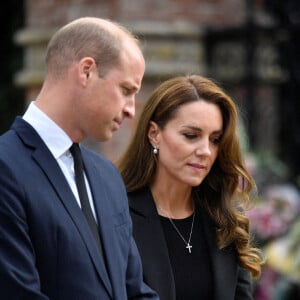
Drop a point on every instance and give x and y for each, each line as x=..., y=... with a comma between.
x=187, y=243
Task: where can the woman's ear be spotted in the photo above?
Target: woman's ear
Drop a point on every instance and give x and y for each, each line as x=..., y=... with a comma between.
x=153, y=134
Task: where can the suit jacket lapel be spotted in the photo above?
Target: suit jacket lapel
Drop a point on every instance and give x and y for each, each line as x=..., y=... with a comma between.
x=105, y=220
x=223, y=264
x=103, y=213
x=48, y=164
x=152, y=244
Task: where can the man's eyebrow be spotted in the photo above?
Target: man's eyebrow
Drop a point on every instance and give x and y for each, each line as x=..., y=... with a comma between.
x=132, y=87
x=136, y=89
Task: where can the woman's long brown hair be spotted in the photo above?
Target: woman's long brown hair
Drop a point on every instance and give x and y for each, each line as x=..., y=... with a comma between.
x=225, y=192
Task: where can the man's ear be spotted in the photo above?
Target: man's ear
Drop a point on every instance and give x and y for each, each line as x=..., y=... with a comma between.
x=86, y=67
x=154, y=134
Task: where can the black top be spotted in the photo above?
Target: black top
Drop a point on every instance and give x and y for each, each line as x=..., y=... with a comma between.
x=192, y=271
x=230, y=282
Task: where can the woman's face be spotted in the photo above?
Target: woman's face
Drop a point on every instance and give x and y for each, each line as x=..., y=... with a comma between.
x=189, y=143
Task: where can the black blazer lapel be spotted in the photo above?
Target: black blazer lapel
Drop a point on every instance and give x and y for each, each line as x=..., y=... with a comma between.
x=224, y=265
x=44, y=158
x=149, y=236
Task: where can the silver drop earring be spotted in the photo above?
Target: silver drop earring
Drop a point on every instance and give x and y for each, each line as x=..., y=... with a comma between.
x=155, y=150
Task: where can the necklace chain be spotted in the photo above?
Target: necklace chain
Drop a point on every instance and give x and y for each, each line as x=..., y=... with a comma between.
x=188, y=245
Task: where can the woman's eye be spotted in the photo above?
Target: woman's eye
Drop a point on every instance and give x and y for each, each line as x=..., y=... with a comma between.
x=216, y=140
x=190, y=136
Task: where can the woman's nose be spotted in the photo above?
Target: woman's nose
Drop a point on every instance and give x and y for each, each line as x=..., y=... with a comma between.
x=203, y=148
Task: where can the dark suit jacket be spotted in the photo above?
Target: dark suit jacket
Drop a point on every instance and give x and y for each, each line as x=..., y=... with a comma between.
x=230, y=281
x=46, y=248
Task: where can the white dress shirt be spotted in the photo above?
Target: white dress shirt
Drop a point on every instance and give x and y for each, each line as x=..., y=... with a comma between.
x=59, y=144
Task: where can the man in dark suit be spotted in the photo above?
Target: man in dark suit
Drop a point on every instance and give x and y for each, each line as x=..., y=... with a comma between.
x=47, y=247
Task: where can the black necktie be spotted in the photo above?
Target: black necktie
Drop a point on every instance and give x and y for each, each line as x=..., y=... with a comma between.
x=83, y=195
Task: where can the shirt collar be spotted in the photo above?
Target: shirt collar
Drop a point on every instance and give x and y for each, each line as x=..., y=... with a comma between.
x=53, y=136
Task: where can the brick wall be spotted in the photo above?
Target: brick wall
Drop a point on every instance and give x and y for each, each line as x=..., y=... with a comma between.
x=44, y=13
x=172, y=31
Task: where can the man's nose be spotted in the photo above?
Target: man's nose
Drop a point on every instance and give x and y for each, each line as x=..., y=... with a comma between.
x=129, y=108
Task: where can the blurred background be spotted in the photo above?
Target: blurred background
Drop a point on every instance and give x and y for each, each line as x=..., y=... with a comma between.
x=252, y=48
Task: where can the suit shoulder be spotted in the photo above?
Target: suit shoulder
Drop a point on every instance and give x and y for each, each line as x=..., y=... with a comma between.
x=98, y=158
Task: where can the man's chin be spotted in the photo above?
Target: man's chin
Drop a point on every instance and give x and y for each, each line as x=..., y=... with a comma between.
x=106, y=138
x=109, y=135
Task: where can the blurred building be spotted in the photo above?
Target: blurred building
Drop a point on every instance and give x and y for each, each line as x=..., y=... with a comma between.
x=237, y=42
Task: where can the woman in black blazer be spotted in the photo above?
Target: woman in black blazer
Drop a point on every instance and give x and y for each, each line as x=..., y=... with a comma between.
x=188, y=190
